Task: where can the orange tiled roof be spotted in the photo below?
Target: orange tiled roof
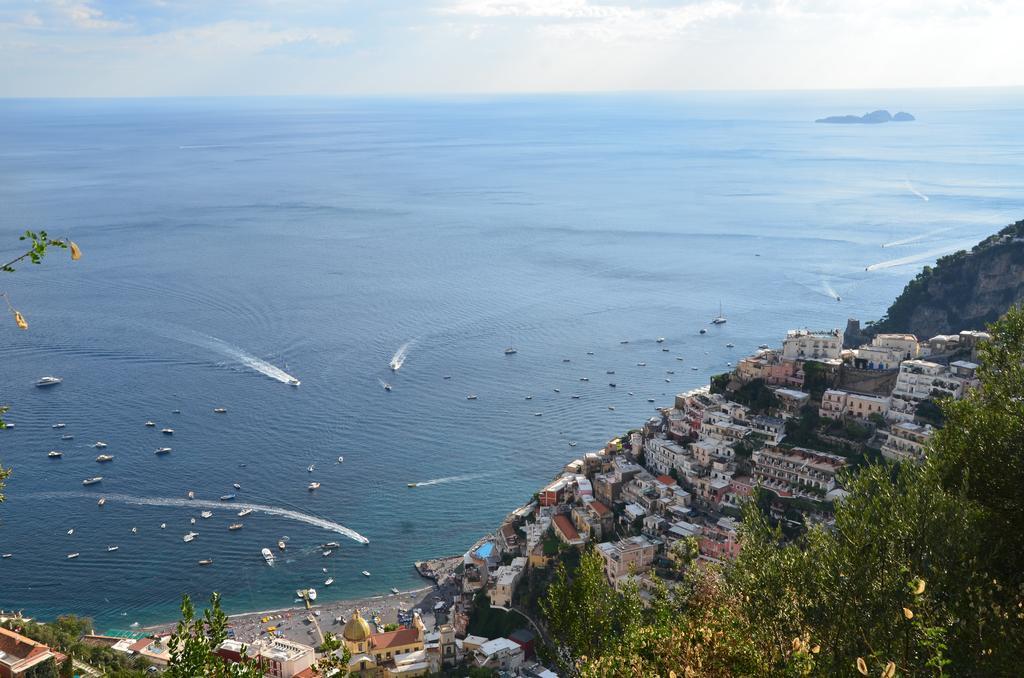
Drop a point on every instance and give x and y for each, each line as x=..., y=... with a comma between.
x=17, y=645
x=667, y=480
x=600, y=508
x=566, y=527
x=383, y=641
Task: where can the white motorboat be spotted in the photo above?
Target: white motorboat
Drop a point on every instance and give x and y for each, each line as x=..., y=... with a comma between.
x=92, y=481
x=660, y=340
x=191, y=494
x=67, y=436
x=267, y=555
x=244, y=512
x=190, y=536
x=281, y=544
x=102, y=501
x=764, y=347
x=112, y=547
x=365, y=573
x=326, y=553
x=206, y=514
x=135, y=530
x=234, y=526
x=6, y=555
x=510, y=351
x=49, y=381
x=105, y=457
x=71, y=531
x=730, y=345
x=310, y=468
x=59, y=425
x=206, y=561
x=294, y=382
x=192, y=521
x=572, y=443
x=341, y=459
x=227, y=497
x=529, y=397
x=167, y=431
x=313, y=486
x=611, y=407
x=329, y=581
x=584, y=378
x=99, y=444
x=220, y=410
x=641, y=364
x=538, y=414
x=471, y=396
x=54, y=454
x=164, y=450
x=387, y=387
x=163, y=526
x=72, y=556
x=150, y=424
x=395, y=591
x=236, y=486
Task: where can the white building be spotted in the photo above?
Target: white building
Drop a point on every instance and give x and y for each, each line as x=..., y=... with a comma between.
x=796, y=470
x=836, y=404
x=505, y=580
x=906, y=441
x=500, y=654
x=921, y=380
x=663, y=455
x=808, y=345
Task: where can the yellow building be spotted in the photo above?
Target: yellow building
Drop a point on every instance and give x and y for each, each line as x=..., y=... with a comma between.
x=391, y=654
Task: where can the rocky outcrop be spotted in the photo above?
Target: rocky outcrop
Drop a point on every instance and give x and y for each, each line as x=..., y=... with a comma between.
x=963, y=291
x=872, y=118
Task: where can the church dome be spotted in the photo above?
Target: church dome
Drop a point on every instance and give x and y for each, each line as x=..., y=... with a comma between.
x=356, y=629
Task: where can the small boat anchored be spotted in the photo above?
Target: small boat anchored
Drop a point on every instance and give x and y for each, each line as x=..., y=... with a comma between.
x=244, y=512
x=59, y=424
x=234, y=526
x=99, y=444
x=189, y=537
x=471, y=396
x=167, y=431
x=365, y=573
x=92, y=481
x=313, y=486
x=112, y=547
x=220, y=410
x=412, y=484
x=150, y=424
x=268, y=555
x=49, y=381
x=105, y=457
x=206, y=514
x=102, y=501
x=328, y=581
x=227, y=497
x=54, y=454
x=163, y=450
x=206, y=561
x=72, y=556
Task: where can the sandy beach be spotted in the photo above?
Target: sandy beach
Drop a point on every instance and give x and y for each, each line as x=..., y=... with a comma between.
x=293, y=622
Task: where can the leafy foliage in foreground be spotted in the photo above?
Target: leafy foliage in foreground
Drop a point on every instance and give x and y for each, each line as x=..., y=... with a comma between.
x=922, y=575
x=64, y=634
x=194, y=641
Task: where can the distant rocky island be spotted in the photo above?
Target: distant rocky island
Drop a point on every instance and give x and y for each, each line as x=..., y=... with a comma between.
x=872, y=118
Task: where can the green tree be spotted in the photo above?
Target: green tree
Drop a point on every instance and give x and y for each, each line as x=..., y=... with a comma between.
x=67, y=668
x=196, y=638
x=332, y=663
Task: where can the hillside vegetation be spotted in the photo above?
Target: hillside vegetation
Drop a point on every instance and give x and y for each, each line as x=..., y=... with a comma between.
x=964, y=290
x=922, y=574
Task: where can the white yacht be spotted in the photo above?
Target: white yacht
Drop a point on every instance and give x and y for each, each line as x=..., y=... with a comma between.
x=220, y=410
x=471, y=396
x=341, y=459
x=294, y=382
x=92, y=481
x=395, y=591
x=326, y=553
x=660, y=340
x=313, y=486
x=54, y=454
x=72, y=556
x=190, y=536
x=281, y=544
x=310, y=467
x=191, y=494
x=59, y=424
x=234, y=526
x=112, y=547
x=329, y=581
x=49, y=381
x=267, y=555
x=102, y=501
x=206, y=514
x=150, y=424
x=236, y=486
x=67, y=436
x=719, y=319
x=167, y=431
x=365, y=573
x=387, y=387
x=105, y=457
x=71, y=531
x=164, y=450
x=244, y=512
x=135, y=530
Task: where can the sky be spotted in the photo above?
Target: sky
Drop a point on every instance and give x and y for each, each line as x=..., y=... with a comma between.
x=327, y=47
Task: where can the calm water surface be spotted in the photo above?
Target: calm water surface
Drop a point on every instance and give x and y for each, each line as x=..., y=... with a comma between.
x=227, y=239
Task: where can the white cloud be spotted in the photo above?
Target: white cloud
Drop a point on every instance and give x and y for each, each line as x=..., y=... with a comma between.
x=84, y=16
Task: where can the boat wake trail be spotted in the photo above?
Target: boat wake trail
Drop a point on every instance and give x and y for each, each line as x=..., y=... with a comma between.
x=297, y=516
x=914, y=258
x=233, y=352
x=919, y=194
x=829, y=290
x=401, y=354
x=913, y=239
x=452, y=479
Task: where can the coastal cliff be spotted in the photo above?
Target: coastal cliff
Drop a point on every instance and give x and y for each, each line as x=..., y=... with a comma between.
x=872, y=118
x=964, y=290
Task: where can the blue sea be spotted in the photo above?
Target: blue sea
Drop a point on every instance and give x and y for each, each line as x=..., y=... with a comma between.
x=230, y=242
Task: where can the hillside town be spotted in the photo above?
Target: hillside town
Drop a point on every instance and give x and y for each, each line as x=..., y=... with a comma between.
x=783, y=426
